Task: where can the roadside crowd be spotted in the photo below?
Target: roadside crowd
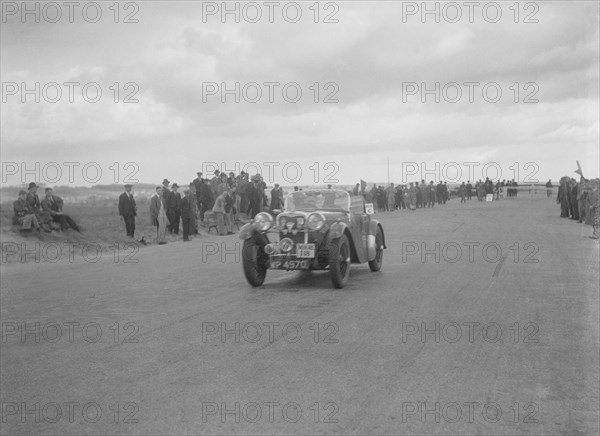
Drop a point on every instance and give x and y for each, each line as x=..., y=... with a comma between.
x=223, y=201
x=580, y=201
x=415, y=195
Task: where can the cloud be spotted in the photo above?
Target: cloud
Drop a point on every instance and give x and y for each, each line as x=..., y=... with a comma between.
x=367, y=56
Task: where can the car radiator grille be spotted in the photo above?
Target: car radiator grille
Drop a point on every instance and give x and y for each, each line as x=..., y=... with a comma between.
x=298, y=238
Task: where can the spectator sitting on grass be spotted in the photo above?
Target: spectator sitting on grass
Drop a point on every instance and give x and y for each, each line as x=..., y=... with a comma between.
x=53, y=204
x=24, y=216
x=34, y=205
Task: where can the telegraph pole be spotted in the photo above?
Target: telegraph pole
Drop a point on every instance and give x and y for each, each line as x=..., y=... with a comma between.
x=388, y=163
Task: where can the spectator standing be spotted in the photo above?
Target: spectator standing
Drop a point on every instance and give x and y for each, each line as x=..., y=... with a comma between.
x=187, y=214
x=158, y=214
x=128, y=210
x=193, y=200
x=174, y=209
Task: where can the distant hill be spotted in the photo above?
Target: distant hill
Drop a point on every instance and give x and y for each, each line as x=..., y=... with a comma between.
x=97, y=194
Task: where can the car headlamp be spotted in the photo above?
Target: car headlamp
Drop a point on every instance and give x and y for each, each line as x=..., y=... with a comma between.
x=263, y=221
x=286, y=245
x=315, y=221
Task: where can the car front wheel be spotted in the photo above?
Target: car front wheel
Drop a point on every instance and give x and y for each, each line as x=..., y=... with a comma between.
x=254, y=261
x=339, y=261
x=376, y=263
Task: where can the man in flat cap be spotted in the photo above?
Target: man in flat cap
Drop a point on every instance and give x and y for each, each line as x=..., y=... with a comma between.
x=128, y=210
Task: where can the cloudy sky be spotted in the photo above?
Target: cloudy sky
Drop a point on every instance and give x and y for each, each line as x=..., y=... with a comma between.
x=361, y=69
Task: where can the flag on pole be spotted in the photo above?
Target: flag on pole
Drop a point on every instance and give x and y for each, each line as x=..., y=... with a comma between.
x=578, y=170
x=363, y=185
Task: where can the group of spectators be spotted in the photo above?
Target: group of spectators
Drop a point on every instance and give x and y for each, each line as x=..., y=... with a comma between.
x=399, y=197
x=219, y=201
x=32, y=214
x=580, y=201
x=417, y=195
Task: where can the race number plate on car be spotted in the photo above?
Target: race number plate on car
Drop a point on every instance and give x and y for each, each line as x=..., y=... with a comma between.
x=290, y=264
x=305, y=251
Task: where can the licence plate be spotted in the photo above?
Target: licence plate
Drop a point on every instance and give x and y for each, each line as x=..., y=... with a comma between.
x=290, y=264
x=305, y=251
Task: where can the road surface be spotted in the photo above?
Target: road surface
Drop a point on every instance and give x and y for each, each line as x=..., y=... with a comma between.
x=498, y=335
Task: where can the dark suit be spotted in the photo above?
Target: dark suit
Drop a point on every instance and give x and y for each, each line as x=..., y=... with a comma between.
x=562, y=199
x=53, y=205
x=128, y=210
x=33, y=202
x=187, y=215
x=174, y=211
x=207, y=199
x=254, y=199
x=275, y=199
x=198, y=186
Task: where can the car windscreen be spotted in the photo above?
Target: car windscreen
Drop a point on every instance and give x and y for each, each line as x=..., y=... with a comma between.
x=314, y=200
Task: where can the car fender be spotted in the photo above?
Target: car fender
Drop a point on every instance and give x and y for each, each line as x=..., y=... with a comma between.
x=336, y=231
x=371, y=248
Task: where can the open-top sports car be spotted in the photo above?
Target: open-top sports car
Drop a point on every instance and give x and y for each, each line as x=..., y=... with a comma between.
x=317, y=229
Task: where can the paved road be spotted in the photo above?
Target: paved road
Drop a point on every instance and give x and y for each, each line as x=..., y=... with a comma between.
x=464, y=346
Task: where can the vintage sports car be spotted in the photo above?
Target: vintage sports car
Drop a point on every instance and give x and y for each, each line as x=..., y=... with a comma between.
x=318, y=229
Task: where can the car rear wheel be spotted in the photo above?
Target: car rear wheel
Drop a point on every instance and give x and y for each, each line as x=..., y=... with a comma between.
x=376, y=263
x=339, y=262
x=254, y=261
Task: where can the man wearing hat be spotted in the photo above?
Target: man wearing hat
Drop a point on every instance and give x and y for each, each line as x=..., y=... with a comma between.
x=34, y=204
x=188, y=215
x=174, y=209
x=24, y=216
x=193, y=200
x=128, y=210
x=197, y=182
x=165, y=190
x=53, y=204
x=215, y=182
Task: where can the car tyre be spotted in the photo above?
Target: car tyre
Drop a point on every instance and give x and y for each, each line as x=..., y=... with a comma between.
x=339, y=261
x=254, y=261
x=376, y=263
